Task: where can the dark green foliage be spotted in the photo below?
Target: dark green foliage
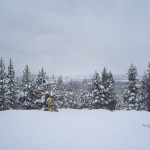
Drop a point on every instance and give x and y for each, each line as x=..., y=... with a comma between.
x=131, y=91
x=3, y=87
x=97, y=92
x=41, y=76
x=109, y=90
x=28, y=91
x=84, y=95
x=59, y=93
x=110, y=93
x=40, y=86
x=11, y=87
x=100, y=94
x=146, y=89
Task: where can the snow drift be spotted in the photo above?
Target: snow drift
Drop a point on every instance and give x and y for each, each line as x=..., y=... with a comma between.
x=74, y=130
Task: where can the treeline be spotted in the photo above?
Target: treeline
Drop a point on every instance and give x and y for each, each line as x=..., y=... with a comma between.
x=100, y=94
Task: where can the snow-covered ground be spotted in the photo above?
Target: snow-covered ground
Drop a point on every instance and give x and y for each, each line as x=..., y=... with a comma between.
x=74, y=130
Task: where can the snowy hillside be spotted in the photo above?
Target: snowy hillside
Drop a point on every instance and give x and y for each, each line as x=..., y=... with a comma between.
x=74, y=130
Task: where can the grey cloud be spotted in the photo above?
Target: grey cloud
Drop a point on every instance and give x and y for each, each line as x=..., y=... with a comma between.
x=75, y=37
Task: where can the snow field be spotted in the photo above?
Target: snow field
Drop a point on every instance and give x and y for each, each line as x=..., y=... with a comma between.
x=74, y=130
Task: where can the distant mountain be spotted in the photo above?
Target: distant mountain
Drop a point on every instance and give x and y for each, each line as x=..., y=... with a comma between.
x=80, y=78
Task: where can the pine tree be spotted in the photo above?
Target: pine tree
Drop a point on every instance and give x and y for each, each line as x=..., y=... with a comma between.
x=119, y=102
x=3, y=87
x=105, y=77
x=112, y=99
x=41, y=77
x=28, y=91
x=26, y=80
x=84, y=100
x=10, y=76
x=105, y=83
x=41, y=87
x=59, y=92
x=97, y=92
x=12, y=86
x=131, y=92
x=70, y=96
x=146, y=89
x=109, y=90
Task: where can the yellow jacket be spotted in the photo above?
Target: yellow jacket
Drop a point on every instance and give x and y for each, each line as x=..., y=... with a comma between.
x=50, y=103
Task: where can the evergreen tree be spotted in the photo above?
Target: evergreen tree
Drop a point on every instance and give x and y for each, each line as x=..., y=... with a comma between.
x=70, y=96
x=10, y=77
x=85, y=100
x=109, y=90
x=105, y=83
x=26, y=80
x=41, y=87
x=97, y=92
x=41, y=77
x=119, y=102
x=111, y=94
x=146, y=89
x=105, y=78
x=27, y=90
x=131, y=92
x=3, y=87
x=11, y=86
x=59, y=92
x=41, y=90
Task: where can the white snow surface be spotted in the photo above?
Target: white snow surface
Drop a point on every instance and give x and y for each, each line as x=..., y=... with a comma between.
x=74, y=130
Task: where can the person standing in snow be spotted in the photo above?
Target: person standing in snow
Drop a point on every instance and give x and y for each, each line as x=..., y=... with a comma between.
x=50, y=103
x=49, y=100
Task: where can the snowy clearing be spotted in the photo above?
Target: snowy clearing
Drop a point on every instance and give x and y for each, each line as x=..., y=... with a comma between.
x=74, y=130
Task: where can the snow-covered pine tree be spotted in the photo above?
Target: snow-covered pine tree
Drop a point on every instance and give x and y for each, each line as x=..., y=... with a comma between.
x=70, y=96
x=3, y=86
x=79, y=103
x=26, y=80
x=58, y=91
x=111, y=94
x=84, y=94
x=146, y=89
x=105, y=83
x=41, y=87
x=10, y=77
x=41, y=77
x=131, y=91
x=73, y=98
x=97, y=92
x=119, y=102
x=11, y=86
x=109, y=90
x=27, y=90
x=105, y=77
x=67, y=96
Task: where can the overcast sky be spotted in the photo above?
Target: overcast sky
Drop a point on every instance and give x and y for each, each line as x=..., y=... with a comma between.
x=75, y=37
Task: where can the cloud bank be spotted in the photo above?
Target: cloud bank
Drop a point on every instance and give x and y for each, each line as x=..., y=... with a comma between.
x=75, y=37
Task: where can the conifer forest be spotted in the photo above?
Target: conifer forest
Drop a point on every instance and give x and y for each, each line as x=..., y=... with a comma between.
x=100, y=93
